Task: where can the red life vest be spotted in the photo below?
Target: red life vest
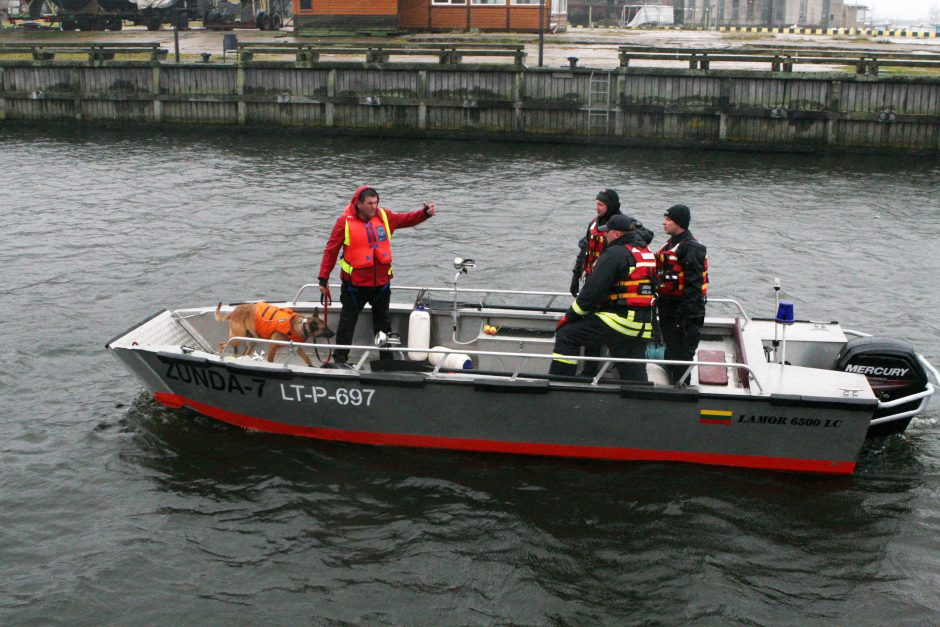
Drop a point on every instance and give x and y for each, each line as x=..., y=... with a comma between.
x=670, y=277
x=636, y=289
x=366, y=243
x=269, y=319
x=595, y=246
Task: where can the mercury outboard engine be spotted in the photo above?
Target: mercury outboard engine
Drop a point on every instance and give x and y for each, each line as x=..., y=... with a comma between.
x=893, y=371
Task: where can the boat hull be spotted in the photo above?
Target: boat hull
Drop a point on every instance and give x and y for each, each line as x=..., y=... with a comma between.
x=523, y=416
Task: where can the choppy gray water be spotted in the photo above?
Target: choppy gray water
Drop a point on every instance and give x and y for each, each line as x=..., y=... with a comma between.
x=114, y=510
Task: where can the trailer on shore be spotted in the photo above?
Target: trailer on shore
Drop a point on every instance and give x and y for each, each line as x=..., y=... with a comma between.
x=260, y=14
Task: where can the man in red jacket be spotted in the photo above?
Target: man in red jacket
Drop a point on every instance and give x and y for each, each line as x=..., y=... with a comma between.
x=363, y=234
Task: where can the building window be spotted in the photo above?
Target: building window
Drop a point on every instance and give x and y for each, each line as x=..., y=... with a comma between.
x=489, y=2
x=306, y=5
x=530, y=2
x=449, y=2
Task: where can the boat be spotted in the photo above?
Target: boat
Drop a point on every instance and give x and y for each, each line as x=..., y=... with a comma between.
x=467, y=369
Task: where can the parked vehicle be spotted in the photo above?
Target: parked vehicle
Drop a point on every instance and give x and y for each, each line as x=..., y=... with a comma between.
x=111, y=14
x=260, y=14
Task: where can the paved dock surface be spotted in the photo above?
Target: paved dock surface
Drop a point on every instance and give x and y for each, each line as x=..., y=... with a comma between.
x=595, y=48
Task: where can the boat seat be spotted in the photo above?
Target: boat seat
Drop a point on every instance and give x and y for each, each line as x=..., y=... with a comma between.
x=712, y=375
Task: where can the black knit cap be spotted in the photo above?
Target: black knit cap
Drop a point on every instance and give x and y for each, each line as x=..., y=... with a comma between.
x=679, y=214
x=611, y=198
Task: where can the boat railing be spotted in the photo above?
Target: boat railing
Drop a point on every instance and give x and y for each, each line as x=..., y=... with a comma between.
x=924, y=397
x=606, y=362
x=732, y=302
x=454, y=293
x=450, y=291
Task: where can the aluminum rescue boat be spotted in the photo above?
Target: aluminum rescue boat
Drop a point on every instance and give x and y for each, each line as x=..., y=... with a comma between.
x=468, y=371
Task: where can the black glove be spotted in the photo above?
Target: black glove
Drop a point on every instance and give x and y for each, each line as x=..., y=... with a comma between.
x=575, y=284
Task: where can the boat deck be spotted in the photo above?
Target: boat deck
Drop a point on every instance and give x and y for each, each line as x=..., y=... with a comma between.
x=524, y=340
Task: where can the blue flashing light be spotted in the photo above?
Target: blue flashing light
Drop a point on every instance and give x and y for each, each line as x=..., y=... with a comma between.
x=785, y=312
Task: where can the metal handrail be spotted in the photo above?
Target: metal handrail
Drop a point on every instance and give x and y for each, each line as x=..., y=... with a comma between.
x=451, y=290
x=924, y=396
x=731, y=301
x=929, y=367
x=446, y=351
x=926, y=392
x=488, y=292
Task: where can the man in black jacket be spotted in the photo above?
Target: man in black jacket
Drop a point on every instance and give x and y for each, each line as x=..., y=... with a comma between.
x=606, y=205
x=682, y=287
x=615, y=305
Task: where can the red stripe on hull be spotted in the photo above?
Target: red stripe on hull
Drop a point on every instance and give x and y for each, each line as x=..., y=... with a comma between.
x=714, y=421
x=514, y=448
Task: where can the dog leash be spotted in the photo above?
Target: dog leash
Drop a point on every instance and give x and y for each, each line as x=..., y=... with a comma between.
x=326, y=300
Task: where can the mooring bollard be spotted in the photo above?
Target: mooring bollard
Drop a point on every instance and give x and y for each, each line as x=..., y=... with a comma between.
x=572, y=62
x=205, y=56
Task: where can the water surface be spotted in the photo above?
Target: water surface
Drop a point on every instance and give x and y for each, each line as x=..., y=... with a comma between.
x=116, y=510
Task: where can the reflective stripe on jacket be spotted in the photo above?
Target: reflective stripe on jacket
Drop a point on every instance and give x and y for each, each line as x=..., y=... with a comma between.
x=636, y=289
x=627, y=324
x=270, y=319
x=366, y=243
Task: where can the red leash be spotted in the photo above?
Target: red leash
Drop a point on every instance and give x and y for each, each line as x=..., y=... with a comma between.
x=326, y=300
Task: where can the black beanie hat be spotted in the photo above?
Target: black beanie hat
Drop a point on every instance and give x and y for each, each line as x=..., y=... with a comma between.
x=679, y=214
x=610, y=198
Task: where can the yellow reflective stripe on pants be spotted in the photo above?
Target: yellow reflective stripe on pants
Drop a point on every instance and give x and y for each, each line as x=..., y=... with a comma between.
x=627, y=326
x=558, y=357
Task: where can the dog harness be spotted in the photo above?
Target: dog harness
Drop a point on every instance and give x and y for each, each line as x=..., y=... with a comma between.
x=270, y=319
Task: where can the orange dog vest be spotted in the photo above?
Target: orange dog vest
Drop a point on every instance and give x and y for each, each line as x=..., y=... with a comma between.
x=269, y=319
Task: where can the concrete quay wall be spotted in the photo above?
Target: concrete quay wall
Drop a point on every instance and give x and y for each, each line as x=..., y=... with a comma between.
x=779, y=111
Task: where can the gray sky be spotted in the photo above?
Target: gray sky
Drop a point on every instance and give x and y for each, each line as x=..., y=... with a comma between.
x=903, y=9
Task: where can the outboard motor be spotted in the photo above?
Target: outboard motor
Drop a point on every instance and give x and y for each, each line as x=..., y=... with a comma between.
x=893, y=371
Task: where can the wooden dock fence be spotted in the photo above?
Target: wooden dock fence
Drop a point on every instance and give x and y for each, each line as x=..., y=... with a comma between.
x=499, y=98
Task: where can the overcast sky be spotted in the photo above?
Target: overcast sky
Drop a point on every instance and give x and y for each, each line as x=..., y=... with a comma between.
x=903, y=9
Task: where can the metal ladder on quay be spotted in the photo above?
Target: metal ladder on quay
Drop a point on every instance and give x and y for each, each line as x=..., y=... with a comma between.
x=598, y=106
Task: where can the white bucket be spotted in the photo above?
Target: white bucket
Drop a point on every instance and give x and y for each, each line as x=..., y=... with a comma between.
x=419, y=333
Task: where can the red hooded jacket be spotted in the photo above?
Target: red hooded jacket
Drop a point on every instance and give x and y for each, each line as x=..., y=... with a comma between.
x=379, y=273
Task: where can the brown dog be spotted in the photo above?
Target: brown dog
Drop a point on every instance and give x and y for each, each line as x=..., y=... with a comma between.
x=269, y=322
